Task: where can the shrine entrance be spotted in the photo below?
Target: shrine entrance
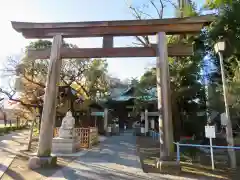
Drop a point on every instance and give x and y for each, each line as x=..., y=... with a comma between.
x=108, y=30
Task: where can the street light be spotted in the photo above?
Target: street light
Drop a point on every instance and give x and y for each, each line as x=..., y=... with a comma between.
x=220, y=47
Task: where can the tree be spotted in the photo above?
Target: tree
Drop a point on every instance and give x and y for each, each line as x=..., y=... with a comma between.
x=87, y=76
x=225, y=27
x=188, y=94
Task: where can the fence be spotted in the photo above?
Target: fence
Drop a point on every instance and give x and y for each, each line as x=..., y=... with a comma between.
x=86, y=137
x=201, y=146
x=93, y=136
x=156, y=136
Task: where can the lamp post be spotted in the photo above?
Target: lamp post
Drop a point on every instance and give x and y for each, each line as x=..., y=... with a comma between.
x=220, y=47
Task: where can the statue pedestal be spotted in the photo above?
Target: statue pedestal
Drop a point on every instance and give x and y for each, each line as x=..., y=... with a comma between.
x=66, y=133
x=64, y=145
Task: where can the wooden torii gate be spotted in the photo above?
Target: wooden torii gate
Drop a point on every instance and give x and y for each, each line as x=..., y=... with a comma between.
x=108, y=30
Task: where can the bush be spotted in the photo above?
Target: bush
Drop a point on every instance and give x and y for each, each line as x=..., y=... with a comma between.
x=5, y=130
x=191, y=152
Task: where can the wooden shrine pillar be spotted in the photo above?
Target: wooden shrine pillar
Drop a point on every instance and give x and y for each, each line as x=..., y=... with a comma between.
x=164, y=97
x=50, y=99
x=146, y=121
x=105, y=123
x=142, y=116
x=152, y=124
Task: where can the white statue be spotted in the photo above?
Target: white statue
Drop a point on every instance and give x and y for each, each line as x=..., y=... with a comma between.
x=68, y=121
x=67, y=126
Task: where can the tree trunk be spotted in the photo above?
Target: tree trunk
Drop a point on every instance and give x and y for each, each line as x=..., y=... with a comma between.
x=176, y=120
x=30, y=135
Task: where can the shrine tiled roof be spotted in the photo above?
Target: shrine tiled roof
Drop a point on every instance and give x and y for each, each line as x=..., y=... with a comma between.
x=127, y=94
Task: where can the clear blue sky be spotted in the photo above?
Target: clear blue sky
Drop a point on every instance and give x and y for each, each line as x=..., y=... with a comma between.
x=73, y=10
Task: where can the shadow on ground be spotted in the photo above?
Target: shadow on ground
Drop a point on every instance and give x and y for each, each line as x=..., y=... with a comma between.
x=15, y=144
x=19, y=170
x=93, y=172
x=148, y=151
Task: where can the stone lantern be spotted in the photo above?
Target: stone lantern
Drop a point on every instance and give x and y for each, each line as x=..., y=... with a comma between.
x=19, y=86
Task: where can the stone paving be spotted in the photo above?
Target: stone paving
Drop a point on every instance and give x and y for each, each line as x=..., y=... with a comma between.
x=9, y=146
x=115, y=158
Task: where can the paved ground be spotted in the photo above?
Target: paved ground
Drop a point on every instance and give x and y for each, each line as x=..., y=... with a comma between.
x=10, y=145
x=114, y=159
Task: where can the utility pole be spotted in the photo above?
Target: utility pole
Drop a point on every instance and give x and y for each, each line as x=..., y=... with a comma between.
x=220, y=48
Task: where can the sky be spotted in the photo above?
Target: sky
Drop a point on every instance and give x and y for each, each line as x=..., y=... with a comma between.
x=13, y=43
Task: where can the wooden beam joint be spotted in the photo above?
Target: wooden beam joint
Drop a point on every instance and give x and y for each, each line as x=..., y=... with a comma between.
x=107, y=41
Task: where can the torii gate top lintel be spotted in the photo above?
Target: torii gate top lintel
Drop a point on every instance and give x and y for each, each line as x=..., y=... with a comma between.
x=113, y=28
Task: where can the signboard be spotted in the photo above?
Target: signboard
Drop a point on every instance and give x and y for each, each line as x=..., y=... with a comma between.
x=223, y=119
x=210, y=132
x=97, y=114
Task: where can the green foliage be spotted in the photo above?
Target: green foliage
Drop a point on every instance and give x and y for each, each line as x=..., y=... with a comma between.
x=96, y=80
x=87, y=76
x=216, y=4
x=226, y=27
x=186, y=8
x=187, y=93
x=6, y=130
x=148, y=79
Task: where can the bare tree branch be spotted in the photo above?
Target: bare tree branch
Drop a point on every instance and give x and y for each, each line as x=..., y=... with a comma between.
x=159, y=11
x=10, y=96
x=138, y=14
x=173, y=4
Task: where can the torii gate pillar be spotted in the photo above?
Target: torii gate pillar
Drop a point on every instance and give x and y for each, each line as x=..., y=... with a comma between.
x=164, y=105
x=49, y=108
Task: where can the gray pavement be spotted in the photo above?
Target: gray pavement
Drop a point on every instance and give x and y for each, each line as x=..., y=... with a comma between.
x=10, y=145
x=113, y=159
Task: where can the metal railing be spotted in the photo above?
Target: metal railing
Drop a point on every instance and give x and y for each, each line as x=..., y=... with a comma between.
x=201, y=146
x=156, y=136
